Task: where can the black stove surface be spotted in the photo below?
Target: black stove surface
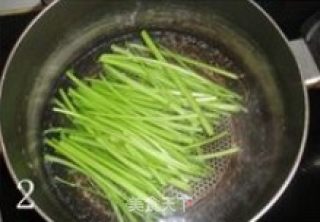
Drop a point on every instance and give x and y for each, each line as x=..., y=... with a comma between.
x=300, y=202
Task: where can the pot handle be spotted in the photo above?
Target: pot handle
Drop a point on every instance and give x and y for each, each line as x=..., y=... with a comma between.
x=308, y=67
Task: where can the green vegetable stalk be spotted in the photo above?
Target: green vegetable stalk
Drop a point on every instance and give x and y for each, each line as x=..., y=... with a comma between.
x=140, y=126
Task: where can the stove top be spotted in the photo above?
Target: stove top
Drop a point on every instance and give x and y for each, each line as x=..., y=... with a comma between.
x=300, y=202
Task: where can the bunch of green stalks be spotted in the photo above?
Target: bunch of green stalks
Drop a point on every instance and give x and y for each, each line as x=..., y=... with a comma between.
x=141, y=125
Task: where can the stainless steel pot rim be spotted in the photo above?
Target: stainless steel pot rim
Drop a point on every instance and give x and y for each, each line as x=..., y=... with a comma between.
x=2, y=145
x=262, y=211
x=296, y=164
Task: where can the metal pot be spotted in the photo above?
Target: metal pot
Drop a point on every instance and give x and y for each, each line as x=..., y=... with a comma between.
x=272, y=135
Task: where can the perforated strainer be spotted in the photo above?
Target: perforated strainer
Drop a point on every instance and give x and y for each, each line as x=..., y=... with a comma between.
x=86, y=64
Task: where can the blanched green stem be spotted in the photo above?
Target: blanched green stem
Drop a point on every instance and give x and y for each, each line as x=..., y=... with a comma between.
x=219, y=154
